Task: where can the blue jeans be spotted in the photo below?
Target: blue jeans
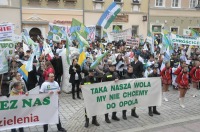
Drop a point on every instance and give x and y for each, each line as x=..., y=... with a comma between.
x=20, y=130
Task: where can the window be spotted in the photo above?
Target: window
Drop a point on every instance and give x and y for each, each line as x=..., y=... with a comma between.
x=156, y=28
x=174, y=30
x=4, y=3
x=98, y=0
x=118, y=1
x=98, y=6
x=136, y=8
x=134, y=30
x=159, y=3
x=193, y=3
x=176, y=3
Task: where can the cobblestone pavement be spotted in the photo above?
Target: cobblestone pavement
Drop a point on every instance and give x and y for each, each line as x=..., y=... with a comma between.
x=72, y=116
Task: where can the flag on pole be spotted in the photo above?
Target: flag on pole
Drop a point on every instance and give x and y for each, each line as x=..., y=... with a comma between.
x=68, y=42
x=26, y=38
x=82, y=41
x=77, y=26
x=29, y=63
x=81, y=58
x=56, y=38
x=194, y=33
x=22, y=70
x=109, y=15
x=98, y=60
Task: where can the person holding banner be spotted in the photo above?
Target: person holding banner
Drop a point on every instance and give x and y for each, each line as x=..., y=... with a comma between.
x=153, y=74
x=129, y=75
x=195, y=75
x=166, y=79
x=137, y=67
x=50, y=86
x=17, y=90
x=183, y=85
x=90, y=80
x=111, y=75
x=17, y=78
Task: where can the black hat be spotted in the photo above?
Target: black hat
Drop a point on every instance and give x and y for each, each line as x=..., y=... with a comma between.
x=91, y=70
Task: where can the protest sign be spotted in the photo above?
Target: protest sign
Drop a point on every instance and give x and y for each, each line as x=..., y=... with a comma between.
x=125, y=94
x=133, y=41
x=92, y=31
x=3, y=63
x=9, y=46
x=177, y=39
x=121, y=35
x=25, y=111
x=6, y=31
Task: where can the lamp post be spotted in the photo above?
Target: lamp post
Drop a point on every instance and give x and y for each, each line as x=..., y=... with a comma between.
x=83, y=6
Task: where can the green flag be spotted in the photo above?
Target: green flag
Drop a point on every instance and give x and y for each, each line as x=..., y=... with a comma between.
x=77, y=26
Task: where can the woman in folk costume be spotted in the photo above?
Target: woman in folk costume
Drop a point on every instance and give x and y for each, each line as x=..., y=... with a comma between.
x=174, y=76
x=166, y=79
x=195, y=75
x=183, y=84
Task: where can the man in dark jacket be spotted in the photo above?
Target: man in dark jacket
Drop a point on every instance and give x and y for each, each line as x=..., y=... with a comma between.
x=90, y=79
x=137, y=67
x=129, y=75
x=32, y=77
x=75, y=77
x=153, y=74
x=58, y=67
x=111, y=75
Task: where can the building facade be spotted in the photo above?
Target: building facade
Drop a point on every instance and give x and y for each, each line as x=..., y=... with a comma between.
x=177, y=16
x=37, y=14
x=133, y=14
x=10, y=12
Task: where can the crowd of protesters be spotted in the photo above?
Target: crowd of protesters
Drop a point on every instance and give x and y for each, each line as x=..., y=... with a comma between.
x=123, y=62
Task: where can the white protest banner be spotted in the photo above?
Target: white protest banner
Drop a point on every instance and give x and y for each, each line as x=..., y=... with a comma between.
x=9, y=46
x=25, y=111
x=125, y=94
x=3, y=63
x=34, y=90
x=17, y=38
x=6, y=31
x=121, y=35
x=92, y=31
x=133, y=41
x=186, y=40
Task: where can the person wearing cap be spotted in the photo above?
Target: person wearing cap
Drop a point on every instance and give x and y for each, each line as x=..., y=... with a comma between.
x=89, y=79
x=111, y=75
x=153, y=74
x=166, y=79
x=129, y=75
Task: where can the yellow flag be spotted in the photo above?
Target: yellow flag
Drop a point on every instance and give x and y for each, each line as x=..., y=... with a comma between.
x=81, y=58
